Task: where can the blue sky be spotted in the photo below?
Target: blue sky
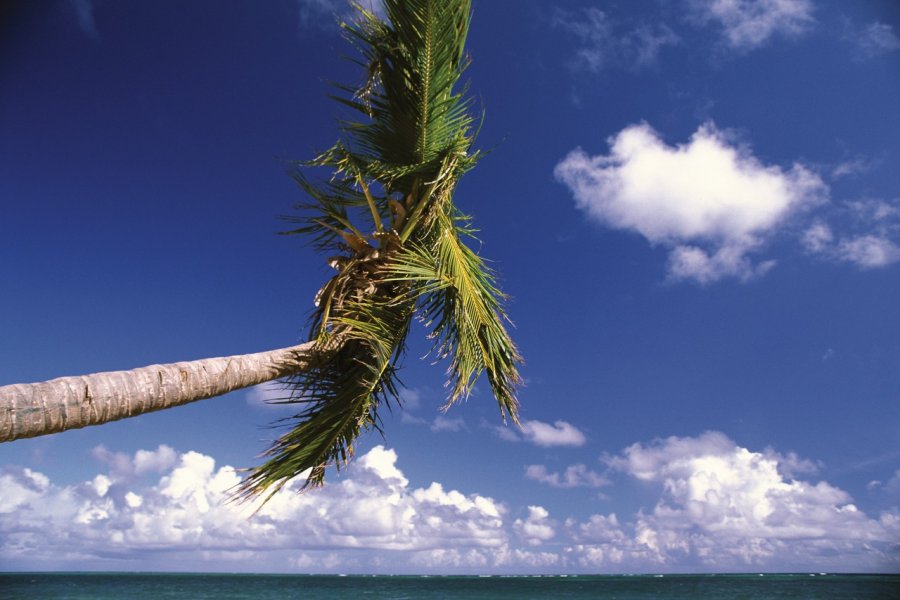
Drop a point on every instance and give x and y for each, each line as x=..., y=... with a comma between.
x=694, y=206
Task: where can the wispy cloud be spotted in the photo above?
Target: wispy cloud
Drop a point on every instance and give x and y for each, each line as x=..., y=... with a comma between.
x=710, y=200
x=853, y=167
x=560, y=433
x=267, y=394
x=84, y=13
x=574, y=476
x=411, y=402
x=868, y=236
x=442, y=423
x=873, y=40
x=322, y=14
x=604, y=42
x=868, y=251
x=750, y=24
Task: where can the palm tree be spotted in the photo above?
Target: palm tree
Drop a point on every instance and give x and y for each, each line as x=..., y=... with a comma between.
x=386, y=220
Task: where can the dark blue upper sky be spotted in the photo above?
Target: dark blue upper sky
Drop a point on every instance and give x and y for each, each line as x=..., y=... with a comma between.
x=704, y=293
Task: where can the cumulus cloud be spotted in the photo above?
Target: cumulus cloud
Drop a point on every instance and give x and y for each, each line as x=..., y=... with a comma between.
x=723, y=505
x=186, y=510
x=20, y=487
x=710, y=201
x=574, y=476
x=126, y=466
x=536, y=528
x=560, y=433
x=750, y=24
x=603, y=42
x=720, y=506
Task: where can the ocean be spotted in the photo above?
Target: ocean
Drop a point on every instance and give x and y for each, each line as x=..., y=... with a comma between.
x=170, y=586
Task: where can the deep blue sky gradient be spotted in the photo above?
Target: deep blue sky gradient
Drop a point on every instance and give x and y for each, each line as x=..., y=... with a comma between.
x=142, y=176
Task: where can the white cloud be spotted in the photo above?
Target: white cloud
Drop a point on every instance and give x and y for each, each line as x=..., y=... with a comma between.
x=410, y=398
x=411, y=401
x=720, y=506
x=265, y=394
x=442, y=423
x=725, y=505
x=817, y=237
x=868, y=251
x=124, y=466
x=536, y=528
x=560, y=433
x=853, y=167
x=505, y=432
x=867, y=241
x=875, y=211
x=874, y=40
x=605, y=42
x=574, y=476
x=315, y=12
x=187, y=511
x=21, y=487
x=408, y=418
x=893, y=484
x=710, y=201
x=155, y=461
x=749, y=24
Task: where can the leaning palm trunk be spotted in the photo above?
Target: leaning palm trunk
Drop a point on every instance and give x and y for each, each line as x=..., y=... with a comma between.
x=29, y=410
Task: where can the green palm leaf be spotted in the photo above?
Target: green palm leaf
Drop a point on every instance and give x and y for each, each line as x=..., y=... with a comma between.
x=387, y=214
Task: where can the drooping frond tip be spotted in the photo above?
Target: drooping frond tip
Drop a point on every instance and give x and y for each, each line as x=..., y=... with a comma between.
x=386, y=218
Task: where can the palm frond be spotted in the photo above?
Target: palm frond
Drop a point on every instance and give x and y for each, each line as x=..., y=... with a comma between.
x=460, y=303
x=340, y=398
x=386, y=217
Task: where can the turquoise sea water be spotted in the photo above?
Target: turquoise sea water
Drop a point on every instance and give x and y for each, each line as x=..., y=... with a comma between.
x=141, y=586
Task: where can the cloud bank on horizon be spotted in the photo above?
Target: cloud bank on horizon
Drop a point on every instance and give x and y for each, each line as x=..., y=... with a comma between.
x=720, y=507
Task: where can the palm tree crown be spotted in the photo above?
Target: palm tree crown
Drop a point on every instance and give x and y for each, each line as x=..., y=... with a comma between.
x=386, y=220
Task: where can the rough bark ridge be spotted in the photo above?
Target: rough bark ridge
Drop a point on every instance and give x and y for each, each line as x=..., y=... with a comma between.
x=29, y=410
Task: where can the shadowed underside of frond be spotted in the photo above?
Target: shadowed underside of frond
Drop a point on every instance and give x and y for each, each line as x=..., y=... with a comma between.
x=385, y=218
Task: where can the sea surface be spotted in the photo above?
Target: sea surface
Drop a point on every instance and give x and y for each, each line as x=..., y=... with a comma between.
x=157, y=586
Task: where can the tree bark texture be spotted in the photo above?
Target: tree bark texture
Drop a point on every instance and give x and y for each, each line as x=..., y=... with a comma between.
x=33, y=409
